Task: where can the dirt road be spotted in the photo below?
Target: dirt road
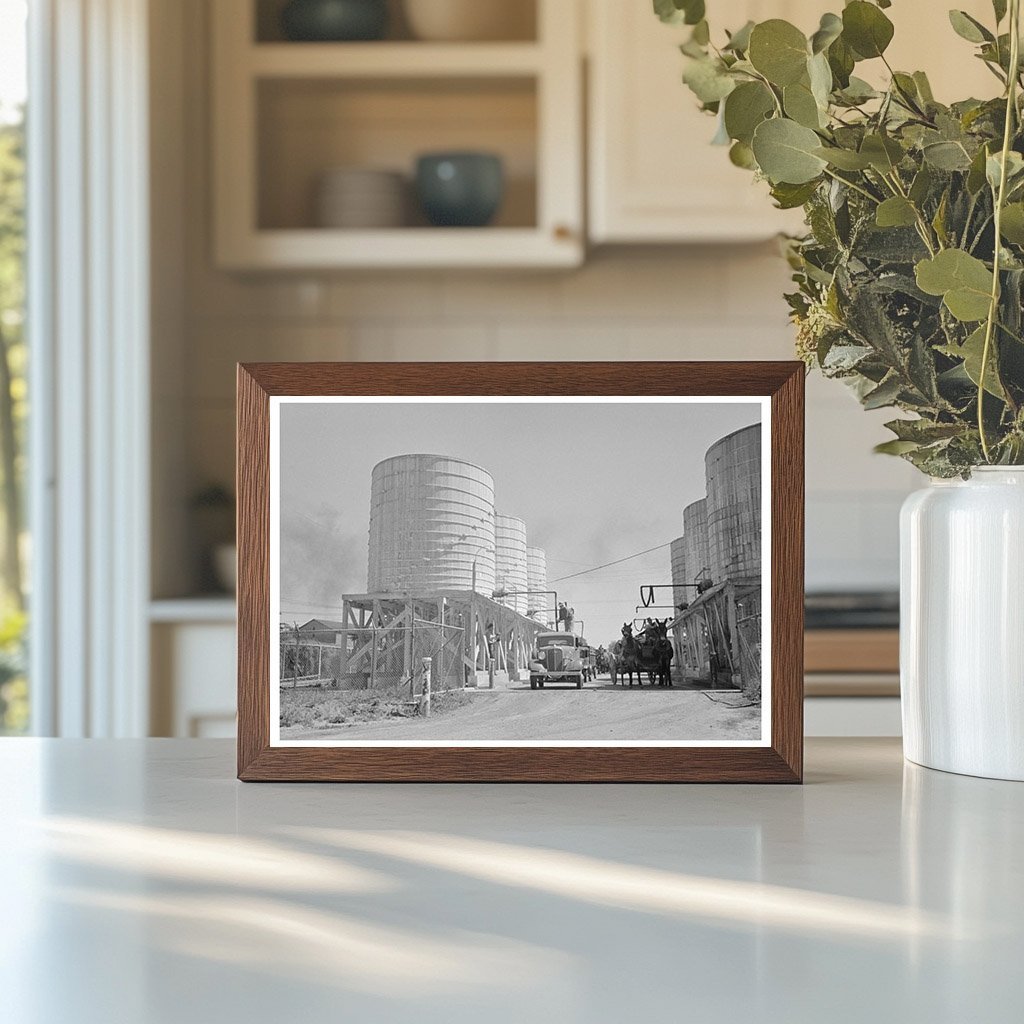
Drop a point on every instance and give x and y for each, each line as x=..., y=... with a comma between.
x=566, y=714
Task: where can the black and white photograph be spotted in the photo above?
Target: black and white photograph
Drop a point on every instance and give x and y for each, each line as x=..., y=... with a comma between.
x=503, y=571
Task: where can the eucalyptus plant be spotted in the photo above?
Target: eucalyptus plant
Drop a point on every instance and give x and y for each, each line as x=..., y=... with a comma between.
x=910, y=278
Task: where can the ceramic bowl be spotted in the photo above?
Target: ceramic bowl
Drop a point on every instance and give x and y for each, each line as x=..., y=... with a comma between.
x=334, y=20
x=358, y=197
x=469, y=20
x=460, y=189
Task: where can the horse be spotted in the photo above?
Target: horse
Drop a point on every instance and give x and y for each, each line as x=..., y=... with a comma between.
x=625, y=657
x=659, y=653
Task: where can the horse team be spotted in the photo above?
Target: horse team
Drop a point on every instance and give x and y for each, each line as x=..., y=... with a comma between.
x=649, y=651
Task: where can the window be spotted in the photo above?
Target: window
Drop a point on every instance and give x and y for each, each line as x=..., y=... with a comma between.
x=14, y=548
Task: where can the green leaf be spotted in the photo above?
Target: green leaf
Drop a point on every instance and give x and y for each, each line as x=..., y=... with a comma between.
x=883, y=153
x=947, y=156
x=800, y=105
x=676, y=12
x=896, y=212
x=884, y=395
x=896, y=447
x=858, y=91
x=778, y=50
x=976, y=174
x=1014, y=169
x=969, y=28
x=708, y=80
x=721, y=137
x=924, y=87
x=906, y=89
x=963, y=281
x=1012, y=225
x=841, y=60
x=785, y=152
x=820, y=76
x=999, y=7
x=789, y=197
x=829, y=30
x=745, y=108
x=844, y=159
x=939, y=220
x=739, y=41
x=971, y=352
x=921, y=185
x=923, y=431
x=741, y=155
x=866, y=29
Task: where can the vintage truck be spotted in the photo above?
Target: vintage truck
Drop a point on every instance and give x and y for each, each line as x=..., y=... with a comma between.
x=556, y=658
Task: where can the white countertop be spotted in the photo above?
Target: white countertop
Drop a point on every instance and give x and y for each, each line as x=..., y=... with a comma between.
x=143, y=885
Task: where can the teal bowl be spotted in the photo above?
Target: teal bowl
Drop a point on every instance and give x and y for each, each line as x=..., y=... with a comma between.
x=334, y=21
x=460, y=190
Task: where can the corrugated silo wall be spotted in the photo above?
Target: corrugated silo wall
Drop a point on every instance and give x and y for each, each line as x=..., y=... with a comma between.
x=678, y=571
x=733, y=470
x=537, y=603
x=510, y=559
x=431, y=518
x=696, y=549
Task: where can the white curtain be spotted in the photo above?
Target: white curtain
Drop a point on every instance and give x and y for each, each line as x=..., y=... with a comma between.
x=88, y=321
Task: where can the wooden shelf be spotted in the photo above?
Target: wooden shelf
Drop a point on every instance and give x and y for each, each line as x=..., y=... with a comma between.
x=401, y=247
x=852, y=650
x=393, y=60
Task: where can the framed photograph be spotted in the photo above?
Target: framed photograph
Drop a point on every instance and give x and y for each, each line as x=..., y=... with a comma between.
x=520, y=572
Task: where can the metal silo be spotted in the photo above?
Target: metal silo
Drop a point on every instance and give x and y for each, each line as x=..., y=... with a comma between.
x=538, y=604
x=431, y=525
x=733, y=470
x=678, y=557
x=696, y=548
x=510, y=560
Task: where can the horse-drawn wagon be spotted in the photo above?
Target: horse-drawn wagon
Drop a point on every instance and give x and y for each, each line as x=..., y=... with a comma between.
x=649, y=651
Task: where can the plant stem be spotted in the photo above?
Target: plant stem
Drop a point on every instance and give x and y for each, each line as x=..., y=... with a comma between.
x=923, y=228
x=856, y=188
x=993, y=309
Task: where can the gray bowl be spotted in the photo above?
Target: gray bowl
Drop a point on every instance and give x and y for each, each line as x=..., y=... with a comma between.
x=334, y=20
x=461, y=190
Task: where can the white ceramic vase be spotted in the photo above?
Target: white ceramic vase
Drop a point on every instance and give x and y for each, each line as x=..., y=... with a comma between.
x=962, y=624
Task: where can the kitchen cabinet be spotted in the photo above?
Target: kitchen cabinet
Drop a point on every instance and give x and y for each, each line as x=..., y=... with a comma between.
x=193, y=670
x=286, y=113
x=653, y=175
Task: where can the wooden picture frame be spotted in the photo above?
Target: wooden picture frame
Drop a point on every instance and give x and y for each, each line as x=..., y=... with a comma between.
x=780, y=757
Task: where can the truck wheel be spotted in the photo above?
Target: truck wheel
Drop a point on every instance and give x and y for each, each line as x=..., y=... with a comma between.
x=533, y=682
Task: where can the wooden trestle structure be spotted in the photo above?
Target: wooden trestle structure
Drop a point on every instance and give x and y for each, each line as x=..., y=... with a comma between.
x=489, y=630
x=718, y=637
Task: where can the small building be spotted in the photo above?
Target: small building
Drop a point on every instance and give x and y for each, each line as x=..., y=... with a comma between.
x=320, y=631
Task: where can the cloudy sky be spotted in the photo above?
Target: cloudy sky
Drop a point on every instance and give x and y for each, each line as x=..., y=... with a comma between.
x=629, y=471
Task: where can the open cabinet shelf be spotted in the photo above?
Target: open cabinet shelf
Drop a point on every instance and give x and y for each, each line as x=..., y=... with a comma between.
x=286, y=114
x=394, y=60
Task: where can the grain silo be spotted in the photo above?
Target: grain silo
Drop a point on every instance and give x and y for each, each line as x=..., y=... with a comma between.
x=733, y=471
x=510, y=560
x=431, y=525
x=538, y=604
x=678, y=571
x=696, y=553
